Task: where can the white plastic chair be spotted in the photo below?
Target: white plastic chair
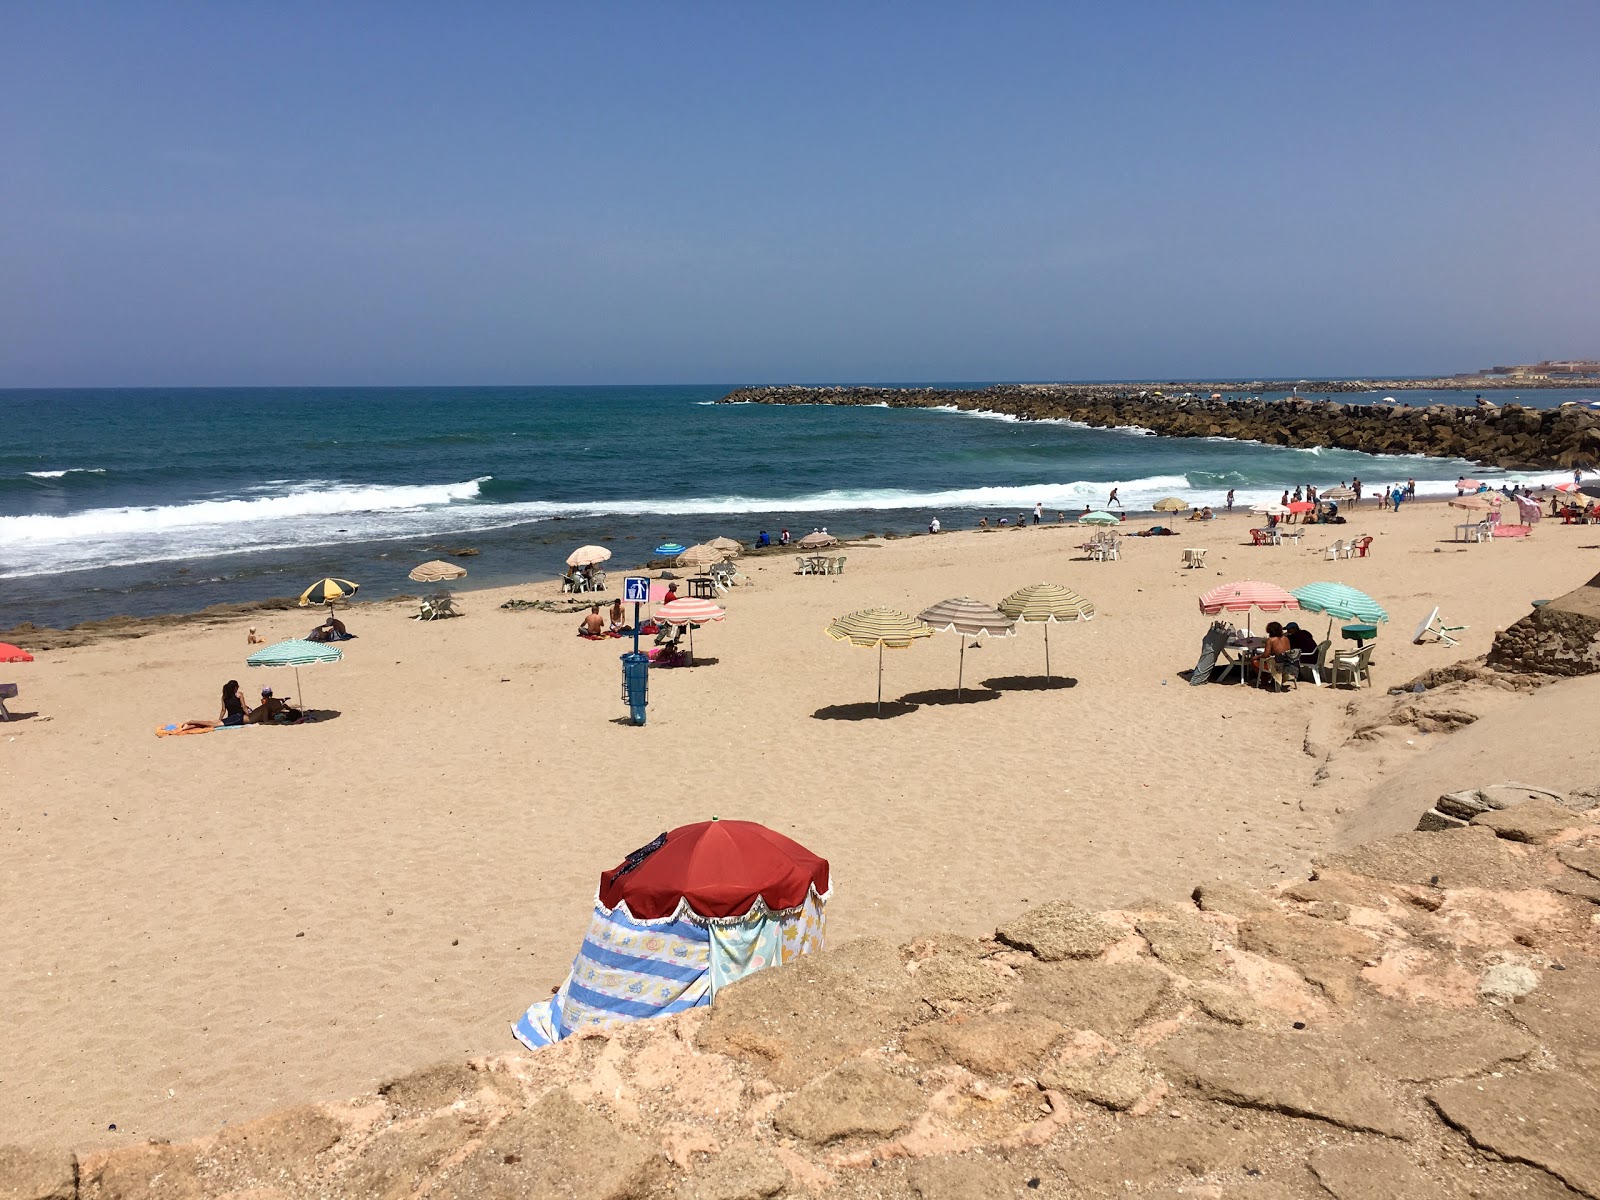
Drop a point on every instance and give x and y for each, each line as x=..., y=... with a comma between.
x=1336, y=551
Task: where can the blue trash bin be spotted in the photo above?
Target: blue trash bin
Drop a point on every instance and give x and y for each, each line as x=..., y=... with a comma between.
x=636, y=684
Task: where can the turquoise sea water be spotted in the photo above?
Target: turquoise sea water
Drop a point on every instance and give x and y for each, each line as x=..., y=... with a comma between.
x=146, y=501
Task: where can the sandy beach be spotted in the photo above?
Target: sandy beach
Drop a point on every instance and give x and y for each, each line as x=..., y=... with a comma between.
x=201, y=929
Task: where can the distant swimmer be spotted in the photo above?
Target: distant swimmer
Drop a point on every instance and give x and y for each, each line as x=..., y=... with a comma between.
x=1112, y=499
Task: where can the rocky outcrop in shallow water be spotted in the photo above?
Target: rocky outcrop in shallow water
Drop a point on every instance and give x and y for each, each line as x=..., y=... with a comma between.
x=1414, y=1019
x=1511, y=436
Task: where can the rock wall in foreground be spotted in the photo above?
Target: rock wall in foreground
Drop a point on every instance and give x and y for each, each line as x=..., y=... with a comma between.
x=1510, y=436
x=1415, y=1020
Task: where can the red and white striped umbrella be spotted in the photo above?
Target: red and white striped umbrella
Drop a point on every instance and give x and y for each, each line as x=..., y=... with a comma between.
x=1567, y=487
x=690, y=611
x=1242, y=597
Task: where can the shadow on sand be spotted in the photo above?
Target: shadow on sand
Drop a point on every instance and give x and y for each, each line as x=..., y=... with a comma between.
x=971, y=695
x=1030, y=683
x=867, y=710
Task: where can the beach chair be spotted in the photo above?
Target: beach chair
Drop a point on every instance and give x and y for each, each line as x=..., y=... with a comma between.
x=802, y=566
x=1434, y=629
x=1318, y=662
x=1284, y=671
x=1359, y=547
x=1261, y=537
x=8, y=691
x=1194, y=557
x=838, y=565
x=1335, y=551
x=437, y=607
x=1352, y=665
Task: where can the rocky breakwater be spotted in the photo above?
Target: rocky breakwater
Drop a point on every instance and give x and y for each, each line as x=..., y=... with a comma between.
x=1511, y=436
x=1414, y=1019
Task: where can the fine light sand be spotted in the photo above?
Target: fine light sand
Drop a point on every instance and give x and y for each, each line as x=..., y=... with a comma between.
x=200, y=929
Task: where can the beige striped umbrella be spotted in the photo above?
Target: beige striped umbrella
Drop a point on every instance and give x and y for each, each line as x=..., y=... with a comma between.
x=1170, y=504
x=816, y=541
x=1047, y=603
x=700, y=557
x=437, y=572
x=729, y=547
x=969, y=618
x=880, y=627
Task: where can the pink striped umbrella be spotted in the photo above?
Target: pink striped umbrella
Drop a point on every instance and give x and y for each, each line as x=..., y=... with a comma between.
x=690, y=611
x=1242, y=597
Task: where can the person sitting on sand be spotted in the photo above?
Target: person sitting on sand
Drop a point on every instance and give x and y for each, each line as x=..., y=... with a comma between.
x=234, y=709
x=593, y=624
x=253, y=638
x=273, y=709
x=331, y=630
x=618, y=622
x=1206, y=514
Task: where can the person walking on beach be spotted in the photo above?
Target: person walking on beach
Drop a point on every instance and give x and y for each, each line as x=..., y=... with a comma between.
x=1230, y=499
x=1397, y=496
x=1355, y=486
x=1112, y=499
x=1411, y=489
x=1038, y=511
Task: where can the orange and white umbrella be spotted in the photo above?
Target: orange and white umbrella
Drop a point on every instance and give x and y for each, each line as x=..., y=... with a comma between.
x=1245, y=595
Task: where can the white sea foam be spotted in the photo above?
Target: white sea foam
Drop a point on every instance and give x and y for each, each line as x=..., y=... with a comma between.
x=68, y=471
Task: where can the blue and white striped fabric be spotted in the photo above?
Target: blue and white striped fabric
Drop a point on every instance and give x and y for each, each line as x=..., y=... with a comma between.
x=624, y=971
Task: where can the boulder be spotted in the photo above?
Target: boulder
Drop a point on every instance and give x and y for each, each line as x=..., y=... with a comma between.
x=742, y=1172
x=1008, y=1043
x=1184, y=942
x=1116, y=1081
x=855, y=1098
x=1109, y=998
x=1534, y=821
x=1058, y=930
x=1229, y=897
x=1470, y=857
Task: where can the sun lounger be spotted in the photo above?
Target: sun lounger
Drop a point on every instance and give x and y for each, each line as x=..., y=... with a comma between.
x=1433, y=628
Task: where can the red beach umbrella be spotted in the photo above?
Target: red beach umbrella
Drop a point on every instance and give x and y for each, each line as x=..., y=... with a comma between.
x=11, y=654
x=1300, y=506
x=720, y=868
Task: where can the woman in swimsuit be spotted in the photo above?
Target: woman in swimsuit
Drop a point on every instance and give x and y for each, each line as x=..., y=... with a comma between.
x=234, y=709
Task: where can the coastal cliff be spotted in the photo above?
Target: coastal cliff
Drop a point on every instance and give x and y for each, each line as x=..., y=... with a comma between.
x=1511, y=436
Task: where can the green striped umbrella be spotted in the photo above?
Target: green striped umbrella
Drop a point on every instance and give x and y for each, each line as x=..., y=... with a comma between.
x=878, y=627
x=1047, y=603
x=1340, y=603
x=1099, y=518
x=296, y=653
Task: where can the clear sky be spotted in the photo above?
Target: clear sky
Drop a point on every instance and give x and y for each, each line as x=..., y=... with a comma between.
x=249, y=193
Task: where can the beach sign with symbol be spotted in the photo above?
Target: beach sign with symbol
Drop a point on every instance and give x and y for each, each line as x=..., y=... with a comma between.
x=636, y=590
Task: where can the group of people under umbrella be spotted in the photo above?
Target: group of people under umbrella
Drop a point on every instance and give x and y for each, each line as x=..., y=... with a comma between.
x=890, y=629
x=1336, y=601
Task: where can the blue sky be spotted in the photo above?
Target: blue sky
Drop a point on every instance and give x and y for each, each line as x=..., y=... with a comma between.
x=232, y=193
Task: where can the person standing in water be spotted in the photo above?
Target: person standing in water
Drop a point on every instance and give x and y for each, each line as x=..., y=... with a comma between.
x=1230, y=499
x=1112, y=499
x=1038, y=511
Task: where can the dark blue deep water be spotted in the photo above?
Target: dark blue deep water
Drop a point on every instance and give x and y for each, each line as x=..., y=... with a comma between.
x=146, y=501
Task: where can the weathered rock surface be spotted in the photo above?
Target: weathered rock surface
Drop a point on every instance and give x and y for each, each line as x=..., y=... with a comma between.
x=1058, y=930
x=1304, y=1076
x=1223, y=895
x=1455, y=1055
x=1537, y=821
x=854, y=1098
x=1546, y=1119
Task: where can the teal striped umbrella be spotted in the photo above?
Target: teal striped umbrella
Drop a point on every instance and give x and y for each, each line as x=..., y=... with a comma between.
x=1099, y=518
x=1340, y=602
x=296, y=653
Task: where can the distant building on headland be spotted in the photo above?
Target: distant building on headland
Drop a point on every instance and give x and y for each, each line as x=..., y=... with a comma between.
x=1563, y=369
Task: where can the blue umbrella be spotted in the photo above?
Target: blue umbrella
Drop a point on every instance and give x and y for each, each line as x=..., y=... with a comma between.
x=296, y=653
x=668, y=550
x=1340, y=602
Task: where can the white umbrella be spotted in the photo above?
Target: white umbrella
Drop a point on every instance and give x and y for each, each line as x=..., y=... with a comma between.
x=588, y=556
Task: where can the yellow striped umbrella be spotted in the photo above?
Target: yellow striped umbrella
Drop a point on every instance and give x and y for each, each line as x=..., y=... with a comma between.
x=326, y=591
x=880, y=627
x=1170, y=504
x=1046, y=603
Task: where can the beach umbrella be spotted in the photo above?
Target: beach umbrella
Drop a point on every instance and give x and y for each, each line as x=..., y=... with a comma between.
x=729, y=547
x=669, y=550
x=720, y=900
x=1270, y=510
x=1242, y=597
x=1468, y=485
x=1300, y=506
x=1340, y=602
x=1099, y=518
x=881, y=627
x=588, y=556
x=971, y=619
x=690, y=611
x=13, y=654
x=295, y=653
x=1170, y=504
x=1046, y=603
x=1476, y=503
x=1566, y=487
x=1337, y=493
x=815, y=541
x=436, y=572
x=326, y=591
x=700, y=557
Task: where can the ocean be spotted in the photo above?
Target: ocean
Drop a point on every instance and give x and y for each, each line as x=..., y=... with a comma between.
x=143, y=501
